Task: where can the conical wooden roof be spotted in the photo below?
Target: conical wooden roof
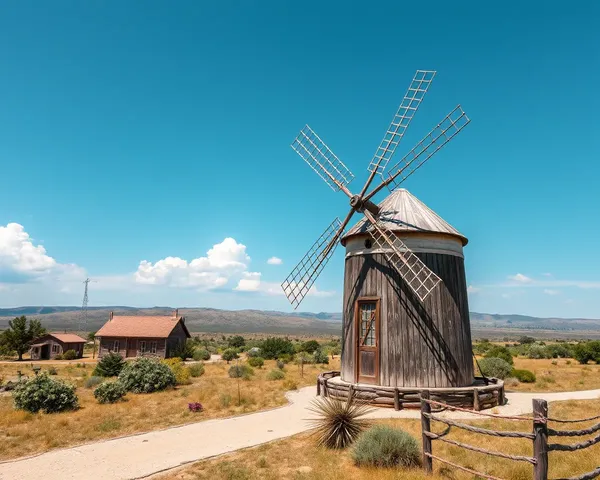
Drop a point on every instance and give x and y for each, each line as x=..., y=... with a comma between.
x=403, y=212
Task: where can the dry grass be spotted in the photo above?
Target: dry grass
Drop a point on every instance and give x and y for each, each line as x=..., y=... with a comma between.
x=299, y=457
x=23, y=433
x=562, y=377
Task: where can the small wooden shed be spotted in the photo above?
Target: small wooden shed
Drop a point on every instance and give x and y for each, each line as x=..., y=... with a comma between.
x=52, y=344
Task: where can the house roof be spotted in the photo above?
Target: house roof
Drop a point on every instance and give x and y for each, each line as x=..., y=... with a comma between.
x=62, y=337
x=401, y=211
x=141, y=326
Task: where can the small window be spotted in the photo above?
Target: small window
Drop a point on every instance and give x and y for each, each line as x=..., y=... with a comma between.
x=153, y=346
x=142, y=346
x=368, y=243
x=116, y=346
x=55, y=348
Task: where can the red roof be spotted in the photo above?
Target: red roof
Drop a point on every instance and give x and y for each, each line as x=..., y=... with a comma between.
x=140, y=326
x=65, y=337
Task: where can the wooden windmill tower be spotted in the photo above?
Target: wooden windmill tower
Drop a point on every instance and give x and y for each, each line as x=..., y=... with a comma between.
x=405, y=314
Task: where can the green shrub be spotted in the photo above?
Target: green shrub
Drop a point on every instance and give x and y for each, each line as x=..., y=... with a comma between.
x=537, y=351
x=524, y=340
x=383, y=446
x=41, y=393
x=337, y=422
x=280, y=365
x=240, y=371
x=69, y=355
x=229, y=354
x=110, y=392
x=184, y=350
x=109, y=365
x=286, y=358
x=58, y=357
x=320, y=357
x=196, y=370
x=500, y=352
x=511, y=382
x=92, y=382
x=586, y=351
x=290, y=384
x=275, y=375
x=495, y=367
x=310, y=346
x=146, y=375
x=276, y=347
x=524, y=376
x=257, y=362
x=52, y=371
x=181, y=372
x=236, y=341
x=303, y=358
x=201, y=354
x=254, y=352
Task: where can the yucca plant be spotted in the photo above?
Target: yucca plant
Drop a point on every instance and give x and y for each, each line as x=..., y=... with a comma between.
x=338, y=422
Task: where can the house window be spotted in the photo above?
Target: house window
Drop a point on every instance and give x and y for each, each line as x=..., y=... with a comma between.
x=142, y=346
x=153, y=346
x=116, y=346
x=55, y=348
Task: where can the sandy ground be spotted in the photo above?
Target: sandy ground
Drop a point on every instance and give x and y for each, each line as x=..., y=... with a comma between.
x=143, y=455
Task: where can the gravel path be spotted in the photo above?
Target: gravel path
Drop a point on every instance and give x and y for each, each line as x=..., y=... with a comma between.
x=142, y=455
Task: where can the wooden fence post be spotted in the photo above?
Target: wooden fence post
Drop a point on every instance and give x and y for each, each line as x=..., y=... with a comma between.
x=396, y=399
x=540, y=442
x=318, y=387
x=426, y=428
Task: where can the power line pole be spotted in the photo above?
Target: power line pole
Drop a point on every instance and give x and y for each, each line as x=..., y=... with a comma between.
x=83, y=313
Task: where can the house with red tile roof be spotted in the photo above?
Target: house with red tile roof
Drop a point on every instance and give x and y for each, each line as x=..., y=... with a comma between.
x=142, y=336
x=52, y=344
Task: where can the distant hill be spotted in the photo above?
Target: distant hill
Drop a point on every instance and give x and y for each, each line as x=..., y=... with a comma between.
x=323, y=323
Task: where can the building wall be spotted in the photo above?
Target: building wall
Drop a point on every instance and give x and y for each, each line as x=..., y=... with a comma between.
x=107, y=345
x=177, y=337
x=58, y=350
x=421, y=344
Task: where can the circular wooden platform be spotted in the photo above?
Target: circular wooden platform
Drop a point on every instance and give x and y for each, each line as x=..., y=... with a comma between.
x=478, y=396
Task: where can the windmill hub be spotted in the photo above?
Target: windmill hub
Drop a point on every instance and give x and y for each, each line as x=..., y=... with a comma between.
x=358, y=203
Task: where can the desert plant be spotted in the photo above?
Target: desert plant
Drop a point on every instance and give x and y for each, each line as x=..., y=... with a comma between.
x=52, y=371
x=275, y=375
x=254, y=352
x=109, y=392
x=58, y=357
x=42, y=393
x=495, y=367
x=181, y=372
x=236, y=341
x=500, y=352
x=320, y=357
x=229, y=354
x=275, y=347
x=286, y=358
x=511, y=382
x=525, y=376
x=257, y=362
x=92, y=382
x=290, y=384
x=383, y=446
x=70, y=355
x=338, y=422
x=310, y=346
x=280, y=365
x=240, y=371
x=183, y=350
x=195, y=407
x=109, y=365
x=201, y=354
x=146, y=375
x=196, y=370
x=586, y=351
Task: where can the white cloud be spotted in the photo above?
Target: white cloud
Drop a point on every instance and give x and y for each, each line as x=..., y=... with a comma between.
x=519, y=277
x=472, y=290
x=249, y=283
x=222, y=262
x=548, y=291
x=274, y=261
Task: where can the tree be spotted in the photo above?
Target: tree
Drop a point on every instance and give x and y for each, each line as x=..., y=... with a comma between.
x=91, y=336
x=275, y=347
x=229, y=354
x=20, y=335
x=500, y=352
x=236, y=342
x=524, y=340
x=310, y=346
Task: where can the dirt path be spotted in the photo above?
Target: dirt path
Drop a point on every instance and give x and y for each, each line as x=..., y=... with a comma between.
x=142, y=455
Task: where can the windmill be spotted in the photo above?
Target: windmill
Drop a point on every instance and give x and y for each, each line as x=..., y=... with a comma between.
x=417, y=276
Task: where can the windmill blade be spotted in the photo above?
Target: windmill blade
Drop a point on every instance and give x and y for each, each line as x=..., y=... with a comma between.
x=412, y=270
x=406, y=111
x=445, y=131
x=299, y=282
x=322, y=160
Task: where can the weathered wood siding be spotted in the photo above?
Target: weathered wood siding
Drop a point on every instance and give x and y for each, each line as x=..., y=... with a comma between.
x=421, y=344
x=106, y=346
x=176, y=338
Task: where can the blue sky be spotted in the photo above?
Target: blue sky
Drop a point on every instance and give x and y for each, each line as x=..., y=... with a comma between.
x=135, y=139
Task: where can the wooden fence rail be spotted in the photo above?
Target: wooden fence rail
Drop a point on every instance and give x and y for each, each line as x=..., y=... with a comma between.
x=539, y=436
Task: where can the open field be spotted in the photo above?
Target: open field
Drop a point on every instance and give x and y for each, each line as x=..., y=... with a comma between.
x=299, y=458
x=566, y=376
x=24, y=433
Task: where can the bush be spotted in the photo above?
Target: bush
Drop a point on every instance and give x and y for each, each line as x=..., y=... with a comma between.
x=58, y=357
x=195, y=407
x=257, y=362
x=337, y=422
x=511, y=382
x=201, y=354
x=69, y=355
x=275, y=375
x=280, y=365
x=310, y=346
x=236, y=342
x=92, y=382
x=44, y=394
x=52, y=371
x=524, y=340
x=240, y=371
x=109, y=365
x=286, y=358
x=586, y=351
x=383, y=446
x=524, y=376
x=184, y=350
x=276, y=347
x=196, y=370
x=109, y=392
x=146, y=375
x=320, y=357
x=500, y=352
x=290, y=384
x=229, y=354
x=181, y=372
x=495, y=367
x=254, y=352
x=538, y=351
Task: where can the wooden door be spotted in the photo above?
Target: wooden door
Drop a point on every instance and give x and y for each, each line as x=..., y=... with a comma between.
x=367, y=338
x=131, y=348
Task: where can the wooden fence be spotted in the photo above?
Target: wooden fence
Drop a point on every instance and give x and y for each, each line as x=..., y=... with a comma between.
x=539, y=435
